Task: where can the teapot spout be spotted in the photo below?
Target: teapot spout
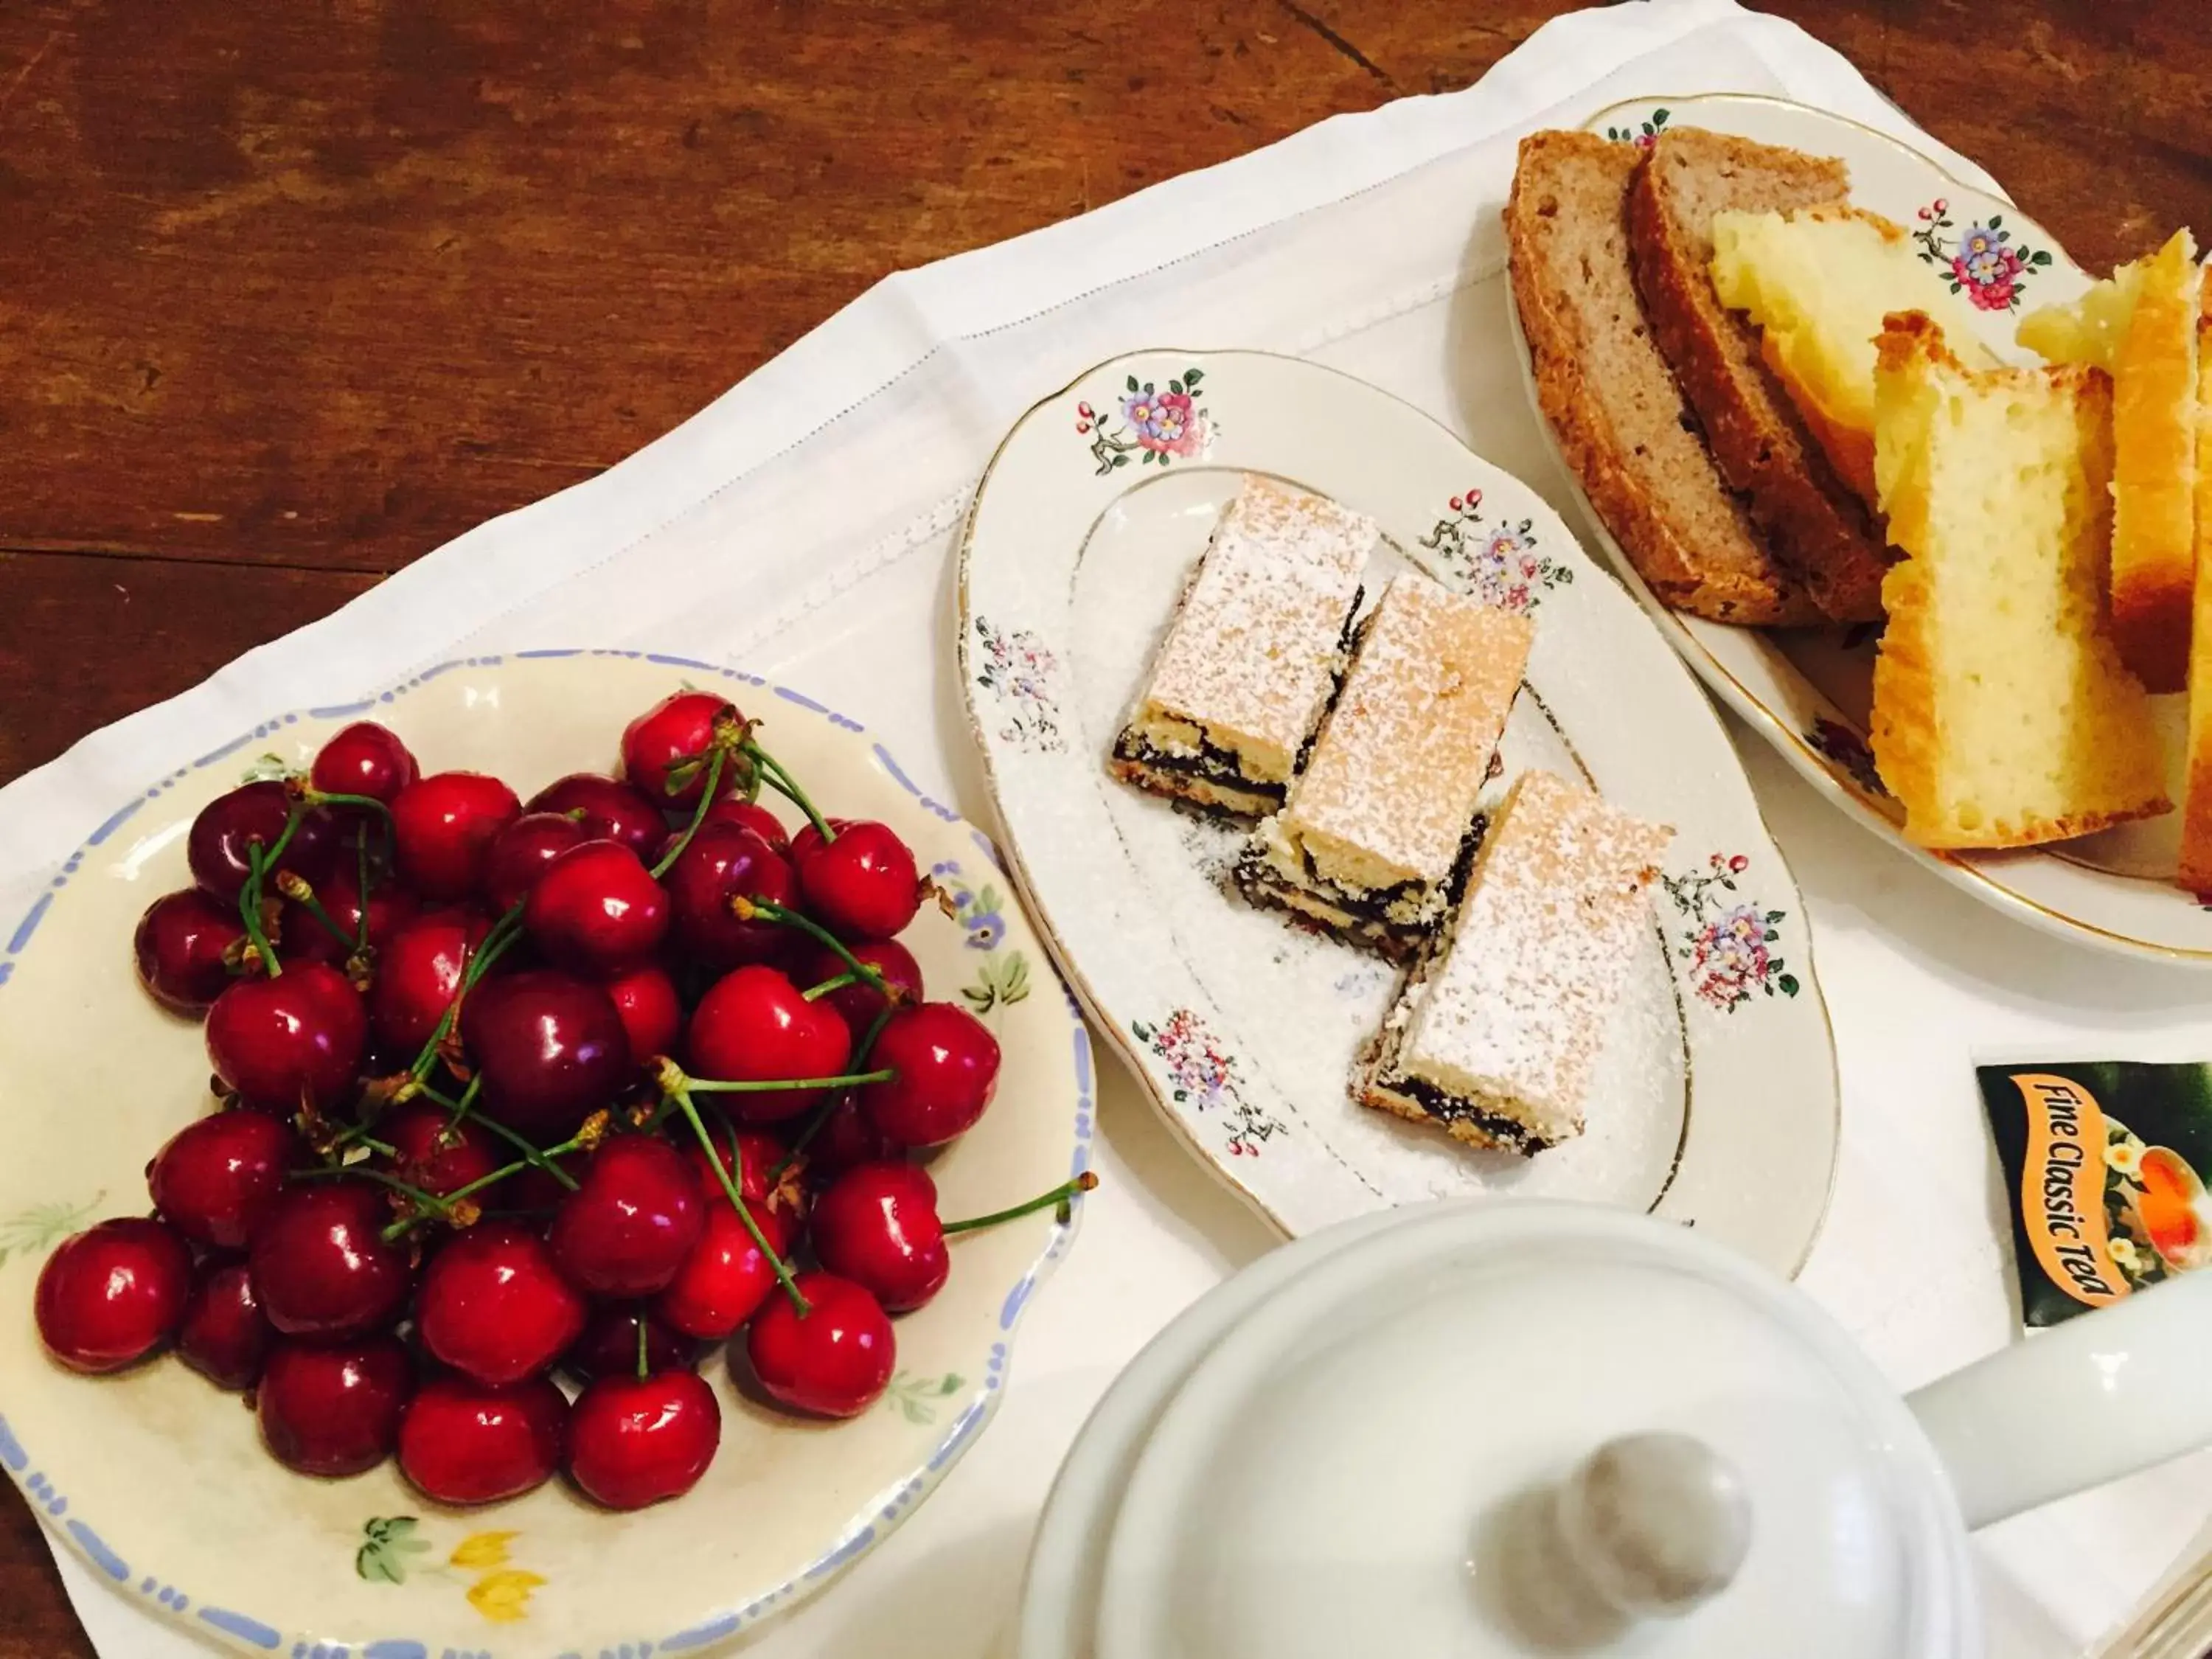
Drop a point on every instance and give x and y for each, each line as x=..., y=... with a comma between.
x=2084, y=1403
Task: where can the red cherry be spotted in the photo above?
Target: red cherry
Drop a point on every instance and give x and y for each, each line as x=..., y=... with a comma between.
x=463, y=1443
x=633, y=1442
x=495, y=1307
x=548, y=1047
x=112, y=1294
x=877, y=1226
x=946, y=1065
x=224, y=1336
x=219, y=1176
x=747, y=1154
x=438, y=1155
x=862, y=885
x=751, y=814
x=322, y=1266
x=608, y=1347
x=754, y=1026
x=645, y=999
x=391, y=907
x=216, y=847
x=606, y=809
x=631, y=1222
x=833, y=1361
x=181, y=946
x=418, y=974
x=333, y=1409
x=596, y=910
x=680, y=727
x=725, y=861
x=364, y=759
x=283, y=1041
x=520, y=852
x=726, y=1278
x=845, y=1138
x=534, y=1191
x=443, y=827
x=858, y=1003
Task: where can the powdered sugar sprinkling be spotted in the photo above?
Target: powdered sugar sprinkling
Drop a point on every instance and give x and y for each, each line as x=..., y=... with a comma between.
x=1250, y=659
x=1514, y=1017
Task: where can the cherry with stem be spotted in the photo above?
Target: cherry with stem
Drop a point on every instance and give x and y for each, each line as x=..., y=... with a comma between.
x=820, y=1114
x=503, y=934
x=766, y=765
x=678, y=1087
x=698, y=814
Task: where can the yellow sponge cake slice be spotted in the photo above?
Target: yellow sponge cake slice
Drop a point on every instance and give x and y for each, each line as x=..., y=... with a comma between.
x=2003, y=715
x=2142, y=327
x=2195, y=872
x=1818, y=283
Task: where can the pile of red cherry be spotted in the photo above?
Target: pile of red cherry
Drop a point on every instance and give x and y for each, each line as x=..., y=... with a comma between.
x=454, y=1152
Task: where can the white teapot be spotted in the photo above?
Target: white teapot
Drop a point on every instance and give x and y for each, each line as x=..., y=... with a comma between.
x=1544, y=1429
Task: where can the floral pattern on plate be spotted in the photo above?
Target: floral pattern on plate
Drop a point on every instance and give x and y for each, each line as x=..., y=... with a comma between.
x=1017, y=669
x=1202, y=1075
x=1728, y=948
x=1499, y=565
x=1642, y=136
x=1982, y=261
x=1153, y=425
x=1834, y=741
x=498, y=1590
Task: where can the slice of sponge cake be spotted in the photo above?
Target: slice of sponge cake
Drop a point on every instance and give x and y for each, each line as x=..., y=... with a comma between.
x=1818, y=281
x=1817, y=525
x=2142, y=325
x=2003, y=715
x=1610, y=398
x=2195, y=872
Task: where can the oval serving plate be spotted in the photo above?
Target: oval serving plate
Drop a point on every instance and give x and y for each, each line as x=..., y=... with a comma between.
x=1716, y=1101
x=1808, y=691
x=159, y=1481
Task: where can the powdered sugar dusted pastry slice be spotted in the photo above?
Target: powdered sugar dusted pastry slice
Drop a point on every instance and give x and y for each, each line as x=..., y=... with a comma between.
x=1376, y=838
x=1495, y=1035
x=1251, y=657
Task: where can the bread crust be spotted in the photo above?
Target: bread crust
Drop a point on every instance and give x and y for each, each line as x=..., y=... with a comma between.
x=2196, y=868
x=1816, y=523
x=1629, y=496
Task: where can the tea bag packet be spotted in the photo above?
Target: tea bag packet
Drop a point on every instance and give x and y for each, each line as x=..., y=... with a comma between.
x=2102, y=1163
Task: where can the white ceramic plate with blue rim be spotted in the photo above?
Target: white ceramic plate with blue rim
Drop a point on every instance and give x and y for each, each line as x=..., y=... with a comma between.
x=1715, y=1100
x=159, y=1481
x=1808, y=691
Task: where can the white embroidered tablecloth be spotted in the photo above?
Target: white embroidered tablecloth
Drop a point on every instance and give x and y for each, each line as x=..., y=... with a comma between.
x=801, y=527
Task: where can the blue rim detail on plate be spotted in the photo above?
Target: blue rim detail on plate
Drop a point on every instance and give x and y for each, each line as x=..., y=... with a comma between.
x=871, y=1525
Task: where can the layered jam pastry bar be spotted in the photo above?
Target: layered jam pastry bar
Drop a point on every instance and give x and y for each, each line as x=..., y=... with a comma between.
x=1496, y=1032
x=1375, y=840
x=1252, y=655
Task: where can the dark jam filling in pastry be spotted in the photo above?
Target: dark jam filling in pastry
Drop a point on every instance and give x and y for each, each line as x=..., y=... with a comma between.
x=1260, y=879
x=1212, y=763
x=1508, y=1133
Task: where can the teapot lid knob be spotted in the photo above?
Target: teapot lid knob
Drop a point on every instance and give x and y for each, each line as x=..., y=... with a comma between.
x=1656, y=1523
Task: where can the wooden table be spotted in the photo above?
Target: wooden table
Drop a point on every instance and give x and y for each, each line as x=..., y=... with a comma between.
x=290, y=293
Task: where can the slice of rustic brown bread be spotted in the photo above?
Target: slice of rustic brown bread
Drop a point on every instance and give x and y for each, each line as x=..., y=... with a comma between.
x=1612, y=401
x=1816, y=523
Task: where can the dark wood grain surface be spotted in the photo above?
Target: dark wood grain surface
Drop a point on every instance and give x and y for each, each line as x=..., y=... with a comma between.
x=291, y=292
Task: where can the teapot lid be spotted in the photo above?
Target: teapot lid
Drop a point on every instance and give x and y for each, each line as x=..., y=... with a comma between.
x=1522, y=1428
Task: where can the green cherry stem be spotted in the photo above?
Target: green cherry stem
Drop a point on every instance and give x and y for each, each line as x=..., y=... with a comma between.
x=293, y=888
x=531, y=1153
x=746, y=909
x=644, y=1331
x=814, y=992
x=249, y=912
x=682, y=1096
x=698, y=813
x=851, y=1080
x=786, y=785
x=1060, y=1194
x=820, y=1114
x=503, y=934
x=314, y=797
x=361, y=885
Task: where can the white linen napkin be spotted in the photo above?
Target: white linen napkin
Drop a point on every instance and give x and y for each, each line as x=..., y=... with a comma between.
x=801, y=526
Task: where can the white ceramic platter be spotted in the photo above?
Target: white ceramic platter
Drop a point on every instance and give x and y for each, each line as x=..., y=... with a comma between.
x=1808, y=692
x=159, y=1481
x=1716, y=1101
